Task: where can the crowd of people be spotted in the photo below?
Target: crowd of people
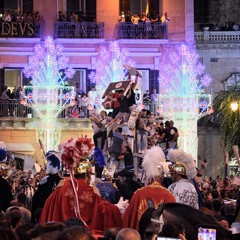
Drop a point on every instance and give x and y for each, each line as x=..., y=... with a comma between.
x=10, y=103
x=224, y=26
x=80, y=195
x=12, y=16
x=150, y=25
x=143, y=17
x=43, y=206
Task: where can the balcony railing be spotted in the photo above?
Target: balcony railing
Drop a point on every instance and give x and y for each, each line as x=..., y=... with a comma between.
x=142, y=30
x=14, y=109
x=20, y=29
x=79, y=30
x=217, y=37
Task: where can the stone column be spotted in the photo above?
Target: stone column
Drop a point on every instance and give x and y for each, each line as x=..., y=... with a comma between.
x=48, y=11
x=62, y=6
x=108, y=12
x=181, y=25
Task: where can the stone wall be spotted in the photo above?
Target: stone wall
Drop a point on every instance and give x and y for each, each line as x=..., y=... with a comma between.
x=224, y=11
x=220, y=60
x=209, y=148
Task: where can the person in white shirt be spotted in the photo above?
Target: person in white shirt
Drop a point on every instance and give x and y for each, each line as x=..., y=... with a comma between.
x=154, y=101
x=182, y=172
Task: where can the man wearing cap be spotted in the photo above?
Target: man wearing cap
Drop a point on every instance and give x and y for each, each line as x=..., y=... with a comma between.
x=154, y=164
x=182, y=171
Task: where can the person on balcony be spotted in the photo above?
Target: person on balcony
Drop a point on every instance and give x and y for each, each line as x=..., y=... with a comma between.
x=135, y=31
x=128, y=17
x=155, y=17
x=135, y=19
x=20, y=111
x=72, y=19
x=85, y=103
x=61, y=17
x=165, y=18
x=29, y=17
x=13, y=16
x=7, y=17
x=19, y=17
x=37, y=17
x=74, y=111
x=154, y=101
x=146, y=100
x=4, y=98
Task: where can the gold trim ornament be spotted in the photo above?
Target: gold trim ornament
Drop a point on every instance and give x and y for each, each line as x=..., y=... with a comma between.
x=179, y=168
x=83, y=167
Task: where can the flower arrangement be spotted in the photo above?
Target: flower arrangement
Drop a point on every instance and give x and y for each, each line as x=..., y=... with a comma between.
x=75, y=150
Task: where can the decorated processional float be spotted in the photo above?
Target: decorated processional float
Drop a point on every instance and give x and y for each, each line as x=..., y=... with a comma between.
x=115, y=71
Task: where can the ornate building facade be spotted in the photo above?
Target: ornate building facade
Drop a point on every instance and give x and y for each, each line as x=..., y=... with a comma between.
x=98, y=23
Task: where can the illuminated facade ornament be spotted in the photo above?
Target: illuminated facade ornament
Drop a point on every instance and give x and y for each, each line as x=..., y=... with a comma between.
x=109, y=68
x=49, y=93
x=182, y=98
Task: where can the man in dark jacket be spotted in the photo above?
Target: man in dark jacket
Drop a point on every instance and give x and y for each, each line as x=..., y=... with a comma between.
x=48, y=184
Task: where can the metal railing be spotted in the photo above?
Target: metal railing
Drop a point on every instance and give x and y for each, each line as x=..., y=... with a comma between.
x=13, y=108
x=79, y=30
x=217, y=37
x=20, y=29
x=143, y=30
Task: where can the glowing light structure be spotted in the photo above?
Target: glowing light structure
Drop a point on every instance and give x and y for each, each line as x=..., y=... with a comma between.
x=49, y=93
x=182, y=97
x=109, y=68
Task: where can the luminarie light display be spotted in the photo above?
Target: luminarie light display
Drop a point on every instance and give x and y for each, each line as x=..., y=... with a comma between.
x=109, y=68
x=49, y=93
x=182, y=98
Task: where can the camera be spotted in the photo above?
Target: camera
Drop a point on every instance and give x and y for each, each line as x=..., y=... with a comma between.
x=207, y=232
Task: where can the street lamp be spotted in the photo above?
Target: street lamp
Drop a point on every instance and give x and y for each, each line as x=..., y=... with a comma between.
x=234, y=106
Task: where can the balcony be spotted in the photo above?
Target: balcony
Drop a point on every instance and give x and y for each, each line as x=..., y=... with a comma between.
x=14, y=115
x=217, y=37
x=20, y=29
x=142, y=30
x=79, y=30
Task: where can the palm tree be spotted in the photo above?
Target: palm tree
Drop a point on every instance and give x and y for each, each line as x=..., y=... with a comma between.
x=229, y=119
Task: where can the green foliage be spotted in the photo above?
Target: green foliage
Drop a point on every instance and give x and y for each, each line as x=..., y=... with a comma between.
x=230, y=120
